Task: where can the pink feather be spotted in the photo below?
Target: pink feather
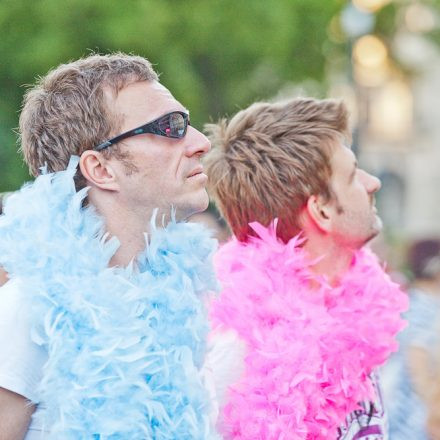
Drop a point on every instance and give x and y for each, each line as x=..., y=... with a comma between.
x=309, y=352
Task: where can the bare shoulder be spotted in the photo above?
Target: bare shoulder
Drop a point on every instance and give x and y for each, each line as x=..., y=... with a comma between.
x=15, y=415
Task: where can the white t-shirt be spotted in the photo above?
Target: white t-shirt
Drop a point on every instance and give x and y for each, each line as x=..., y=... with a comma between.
x=21, y=359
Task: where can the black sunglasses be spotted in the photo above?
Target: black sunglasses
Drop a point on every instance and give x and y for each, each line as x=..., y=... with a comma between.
x=171, y=125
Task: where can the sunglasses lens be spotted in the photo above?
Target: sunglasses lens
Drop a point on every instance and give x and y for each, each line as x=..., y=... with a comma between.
x=173, y=125
x=177, y=124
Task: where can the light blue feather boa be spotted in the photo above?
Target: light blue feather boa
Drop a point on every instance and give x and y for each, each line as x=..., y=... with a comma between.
x=125, y=346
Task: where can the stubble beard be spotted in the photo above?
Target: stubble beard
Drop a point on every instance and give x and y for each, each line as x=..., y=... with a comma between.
x=371, y=229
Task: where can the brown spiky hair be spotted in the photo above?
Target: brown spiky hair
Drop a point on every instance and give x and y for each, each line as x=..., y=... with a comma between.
x=270, y=158
x=68, y=110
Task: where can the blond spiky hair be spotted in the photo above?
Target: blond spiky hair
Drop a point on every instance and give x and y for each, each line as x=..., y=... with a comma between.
x=270, y=158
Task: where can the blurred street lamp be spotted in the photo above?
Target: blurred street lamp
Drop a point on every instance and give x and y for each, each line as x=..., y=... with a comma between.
x=371, y=63
x=384, y=100
x=370, y=51
x=390, y=113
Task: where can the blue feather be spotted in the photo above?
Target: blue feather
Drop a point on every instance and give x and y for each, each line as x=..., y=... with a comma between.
x=125, y=345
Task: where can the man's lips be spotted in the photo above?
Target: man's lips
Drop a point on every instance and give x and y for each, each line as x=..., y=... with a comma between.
x=196, y=171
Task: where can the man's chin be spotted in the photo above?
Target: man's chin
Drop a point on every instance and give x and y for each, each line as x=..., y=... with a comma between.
x=375, y=229
x=194, y=208
x=378, y=224
x=201, y=204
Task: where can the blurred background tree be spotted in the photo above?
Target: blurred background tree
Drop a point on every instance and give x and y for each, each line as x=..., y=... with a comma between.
x=216, y=56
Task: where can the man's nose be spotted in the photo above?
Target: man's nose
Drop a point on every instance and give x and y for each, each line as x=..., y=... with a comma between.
x=197, y=142
x=372, y=183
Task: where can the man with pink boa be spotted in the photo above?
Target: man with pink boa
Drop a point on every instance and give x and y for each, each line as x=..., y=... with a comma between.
x=312, y=307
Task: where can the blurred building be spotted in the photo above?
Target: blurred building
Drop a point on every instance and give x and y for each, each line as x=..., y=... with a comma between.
x=394, y=92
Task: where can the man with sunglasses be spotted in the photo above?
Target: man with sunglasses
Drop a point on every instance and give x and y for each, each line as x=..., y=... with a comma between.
x=102, y=321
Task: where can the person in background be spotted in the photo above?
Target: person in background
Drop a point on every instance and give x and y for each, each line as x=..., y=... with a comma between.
x=315, y=310
x=433, y=420
x=413, y=392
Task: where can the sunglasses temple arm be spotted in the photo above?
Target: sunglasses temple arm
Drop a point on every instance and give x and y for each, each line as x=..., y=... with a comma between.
x=117, y=139
x=103, y=146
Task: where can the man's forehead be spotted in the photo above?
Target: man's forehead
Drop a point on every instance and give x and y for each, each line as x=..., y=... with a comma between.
x=144, y=91
x=145, y=100
x=342, y=154
x=159, y=91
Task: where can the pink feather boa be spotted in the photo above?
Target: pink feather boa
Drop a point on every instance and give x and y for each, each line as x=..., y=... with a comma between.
x=310, y=352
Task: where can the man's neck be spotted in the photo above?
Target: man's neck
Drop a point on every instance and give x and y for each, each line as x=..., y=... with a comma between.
x=127, y=225
x=333, y=260
x=131, y=236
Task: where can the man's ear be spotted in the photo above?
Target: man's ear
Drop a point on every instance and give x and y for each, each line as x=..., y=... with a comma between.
x=319, y=211
x=98, y=171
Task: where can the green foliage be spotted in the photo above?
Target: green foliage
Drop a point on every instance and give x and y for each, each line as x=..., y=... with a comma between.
x=216, y=56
